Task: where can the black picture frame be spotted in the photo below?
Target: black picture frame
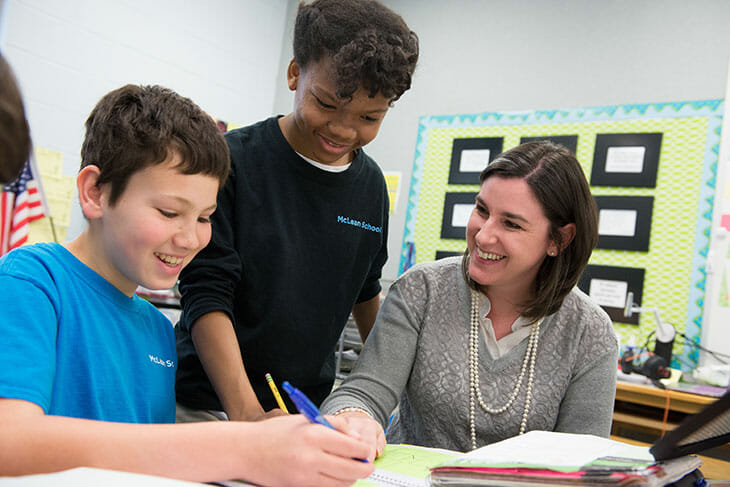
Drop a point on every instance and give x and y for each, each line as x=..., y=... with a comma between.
x=639, y=241
x=632, y=276
x=442, y=254
x=456, y=175
x=615, y=176
x=570, y=142
x=450, y=201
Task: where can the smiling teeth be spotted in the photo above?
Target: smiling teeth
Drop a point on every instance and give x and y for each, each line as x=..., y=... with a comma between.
x=489, y=256
x=169, y=259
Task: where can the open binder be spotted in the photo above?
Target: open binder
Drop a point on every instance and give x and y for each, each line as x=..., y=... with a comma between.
x=542, y=458
x=546, y=458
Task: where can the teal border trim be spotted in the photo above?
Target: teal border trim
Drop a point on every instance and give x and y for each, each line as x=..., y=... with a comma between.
x=710, y=108
x=698, y=274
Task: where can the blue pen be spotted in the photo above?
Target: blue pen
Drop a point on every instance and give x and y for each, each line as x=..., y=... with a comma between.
x=307, y=408
x=304, y=405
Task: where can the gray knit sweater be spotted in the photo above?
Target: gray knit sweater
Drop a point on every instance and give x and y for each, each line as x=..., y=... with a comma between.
x=416, y=357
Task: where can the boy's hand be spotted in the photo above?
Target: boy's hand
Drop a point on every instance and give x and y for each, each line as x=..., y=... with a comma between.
x=293, y=451
x=360, y=425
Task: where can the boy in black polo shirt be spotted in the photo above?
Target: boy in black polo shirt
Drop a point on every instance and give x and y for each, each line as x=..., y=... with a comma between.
x=300, y=234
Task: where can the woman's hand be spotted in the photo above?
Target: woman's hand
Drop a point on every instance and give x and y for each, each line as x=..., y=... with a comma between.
x=361, y=425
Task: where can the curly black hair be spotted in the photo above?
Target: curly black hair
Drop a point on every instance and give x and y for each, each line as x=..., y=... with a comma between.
x=369, y=44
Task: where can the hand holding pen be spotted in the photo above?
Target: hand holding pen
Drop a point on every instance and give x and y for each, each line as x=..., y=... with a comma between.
x=307, y=408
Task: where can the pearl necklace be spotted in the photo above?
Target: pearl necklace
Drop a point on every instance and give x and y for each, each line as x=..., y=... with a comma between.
x=475, y=394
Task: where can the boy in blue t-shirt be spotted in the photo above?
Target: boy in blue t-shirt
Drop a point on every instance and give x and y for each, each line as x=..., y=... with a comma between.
x=87, y=368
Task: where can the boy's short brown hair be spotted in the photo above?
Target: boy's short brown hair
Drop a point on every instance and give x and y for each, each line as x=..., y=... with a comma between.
x=369, y=44
x=14, y=133
x=134, y=127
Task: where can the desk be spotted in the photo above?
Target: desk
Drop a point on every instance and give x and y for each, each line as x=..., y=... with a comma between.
x=712, y=468
x=641, y=407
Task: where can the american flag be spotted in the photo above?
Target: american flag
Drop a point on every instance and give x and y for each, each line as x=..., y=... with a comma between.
x=22, y=202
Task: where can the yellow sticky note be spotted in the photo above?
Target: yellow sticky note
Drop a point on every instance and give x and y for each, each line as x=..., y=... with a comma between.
x=59, y=187
x=49, y=161
x=392, y=182
x=60, y=211
x=233, y=125
x=41, y=231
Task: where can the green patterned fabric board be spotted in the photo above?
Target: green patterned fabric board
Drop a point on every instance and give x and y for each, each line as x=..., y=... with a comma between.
x=667, y=280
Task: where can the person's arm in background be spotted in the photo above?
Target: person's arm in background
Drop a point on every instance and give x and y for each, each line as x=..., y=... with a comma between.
x=364, y=314
x=374, y=386
x=218, y=350
x=207, y=286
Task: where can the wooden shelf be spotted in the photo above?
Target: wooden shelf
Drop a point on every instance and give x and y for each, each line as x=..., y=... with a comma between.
x=653, y=396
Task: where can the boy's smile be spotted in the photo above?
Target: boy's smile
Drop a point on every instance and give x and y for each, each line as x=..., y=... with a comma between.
x=323, y=126
x=155, y=228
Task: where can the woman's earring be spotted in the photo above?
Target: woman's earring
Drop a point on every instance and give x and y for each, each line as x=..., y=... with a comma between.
x=551, y=253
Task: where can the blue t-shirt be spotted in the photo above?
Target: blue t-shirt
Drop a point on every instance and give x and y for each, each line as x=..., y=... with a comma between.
x=77, y=346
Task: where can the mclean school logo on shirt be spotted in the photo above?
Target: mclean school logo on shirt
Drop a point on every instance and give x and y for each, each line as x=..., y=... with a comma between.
x=360, y=224
x=159, y=361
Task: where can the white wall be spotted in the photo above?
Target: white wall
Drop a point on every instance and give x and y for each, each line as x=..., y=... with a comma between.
x=224, y=54
x=492, y=55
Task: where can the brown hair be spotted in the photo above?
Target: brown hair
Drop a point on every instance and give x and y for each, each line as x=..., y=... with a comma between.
x=14, y=133
x=134, y=127
x=557, y=180
x=369, y=44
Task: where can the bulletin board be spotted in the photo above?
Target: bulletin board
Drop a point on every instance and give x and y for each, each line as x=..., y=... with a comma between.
x=668, y=258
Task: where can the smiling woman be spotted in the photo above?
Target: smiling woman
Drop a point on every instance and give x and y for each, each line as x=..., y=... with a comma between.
x=479, y=348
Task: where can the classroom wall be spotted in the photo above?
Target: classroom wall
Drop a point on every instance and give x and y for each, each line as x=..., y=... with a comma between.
x=495, y=55
x=224, y=54
x=476, y=55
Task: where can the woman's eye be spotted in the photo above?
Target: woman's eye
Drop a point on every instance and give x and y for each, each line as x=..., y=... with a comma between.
x=167, y=214
x=512, y=225
x=204, y=219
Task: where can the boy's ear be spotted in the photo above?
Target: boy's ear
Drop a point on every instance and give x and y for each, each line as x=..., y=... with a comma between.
x=90, y=194
x=292, y=75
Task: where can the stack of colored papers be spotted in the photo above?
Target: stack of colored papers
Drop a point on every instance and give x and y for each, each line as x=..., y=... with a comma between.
x=542, y=458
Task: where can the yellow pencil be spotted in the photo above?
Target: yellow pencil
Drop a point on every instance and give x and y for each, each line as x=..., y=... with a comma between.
x=275, y=391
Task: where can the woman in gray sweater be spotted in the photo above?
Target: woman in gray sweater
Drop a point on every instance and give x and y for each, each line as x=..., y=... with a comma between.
x=477, y=349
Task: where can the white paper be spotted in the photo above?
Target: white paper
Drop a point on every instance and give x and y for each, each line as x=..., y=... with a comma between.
x=608, y=293
x=625, y=159
x=460, y=215
x=94, y=476
x=619, y=223
x=556, y=449
x=473, y=160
